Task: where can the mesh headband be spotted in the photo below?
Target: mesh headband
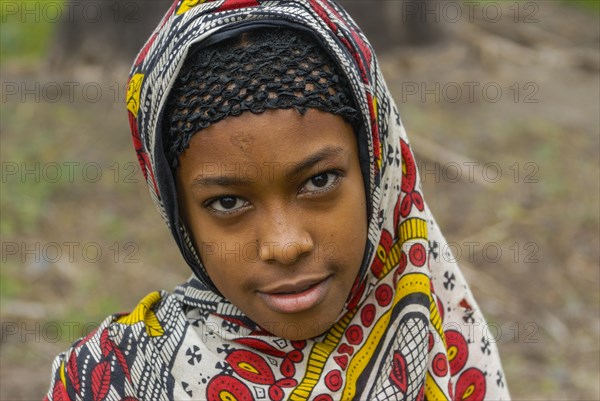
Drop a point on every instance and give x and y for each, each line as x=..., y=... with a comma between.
x=258, y=70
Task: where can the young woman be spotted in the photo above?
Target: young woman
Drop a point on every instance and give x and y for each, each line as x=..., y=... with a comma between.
x=274, y=152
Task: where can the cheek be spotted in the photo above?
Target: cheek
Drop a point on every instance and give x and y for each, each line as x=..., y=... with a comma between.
x=229, y=258
x=210, y=246
x=224, y=271
x=351, y=228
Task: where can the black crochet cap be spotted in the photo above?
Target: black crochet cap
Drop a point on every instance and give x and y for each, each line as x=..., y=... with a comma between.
x=255, y=71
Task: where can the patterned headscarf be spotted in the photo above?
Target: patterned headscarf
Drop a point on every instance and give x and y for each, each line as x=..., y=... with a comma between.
x=410, y=329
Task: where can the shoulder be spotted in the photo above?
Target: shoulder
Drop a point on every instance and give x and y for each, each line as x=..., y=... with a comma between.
x=112, y=360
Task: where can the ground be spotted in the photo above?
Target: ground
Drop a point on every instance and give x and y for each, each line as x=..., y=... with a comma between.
x=503, y=117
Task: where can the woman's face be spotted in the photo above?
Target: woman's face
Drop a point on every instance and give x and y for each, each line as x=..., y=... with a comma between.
x=276, y=205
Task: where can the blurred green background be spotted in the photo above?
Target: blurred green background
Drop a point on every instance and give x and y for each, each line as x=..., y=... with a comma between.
x=81, y=239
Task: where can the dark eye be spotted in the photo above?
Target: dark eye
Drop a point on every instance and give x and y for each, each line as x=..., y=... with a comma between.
x=322, y=182
x=227, y=204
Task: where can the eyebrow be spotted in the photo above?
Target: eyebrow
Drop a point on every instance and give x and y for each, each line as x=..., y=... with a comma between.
x=323, y=154
x=225, y=181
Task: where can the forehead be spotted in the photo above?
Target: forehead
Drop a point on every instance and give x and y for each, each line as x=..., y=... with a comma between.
x=270, y=138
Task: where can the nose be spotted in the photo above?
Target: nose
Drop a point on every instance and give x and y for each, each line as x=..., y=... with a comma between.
x=284, y=238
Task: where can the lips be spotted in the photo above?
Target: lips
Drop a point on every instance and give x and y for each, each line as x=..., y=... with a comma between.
x=297, y=297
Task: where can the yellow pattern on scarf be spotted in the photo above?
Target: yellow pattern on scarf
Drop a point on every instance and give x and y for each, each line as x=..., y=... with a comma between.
x=134, y=89
x=436, y=319
x=143, y=313
x=412, y=228
x=62, y=374
x=409, y=284
x=186, y=5
x=318, y=357
x=432, y=389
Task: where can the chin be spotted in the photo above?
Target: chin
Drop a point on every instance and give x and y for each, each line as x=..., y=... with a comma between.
x=297, y=329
